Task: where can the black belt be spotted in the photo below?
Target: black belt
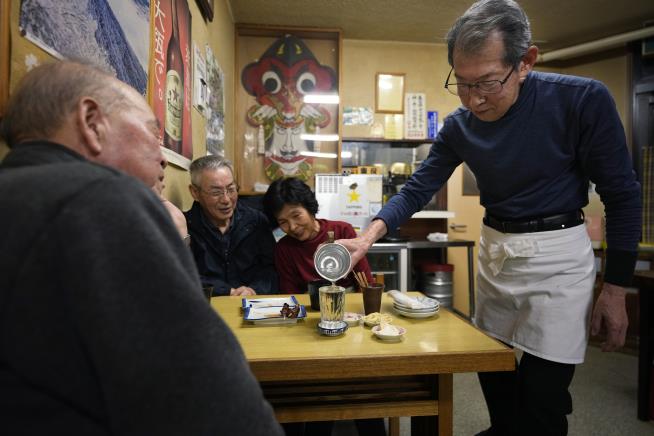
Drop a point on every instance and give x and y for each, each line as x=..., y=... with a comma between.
x=543, y=224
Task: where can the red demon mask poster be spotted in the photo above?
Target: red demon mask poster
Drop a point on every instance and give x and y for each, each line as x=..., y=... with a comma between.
x=278, y=80
x=170, y=77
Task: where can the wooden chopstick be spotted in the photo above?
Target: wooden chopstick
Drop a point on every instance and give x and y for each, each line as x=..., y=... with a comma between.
x=361, y=279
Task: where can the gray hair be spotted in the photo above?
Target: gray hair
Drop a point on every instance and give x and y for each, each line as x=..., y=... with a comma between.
x=471, y=31
x=208, y=163
x=47, y=95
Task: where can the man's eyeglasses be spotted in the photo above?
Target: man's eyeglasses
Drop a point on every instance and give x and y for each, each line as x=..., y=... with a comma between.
x=229, y=191
x=484, y=86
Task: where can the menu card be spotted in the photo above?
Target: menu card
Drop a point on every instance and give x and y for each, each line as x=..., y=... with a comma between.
x=415, y=121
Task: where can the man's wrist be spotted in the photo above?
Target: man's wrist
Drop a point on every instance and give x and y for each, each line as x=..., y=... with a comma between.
x=375, y=230
x=614, y=290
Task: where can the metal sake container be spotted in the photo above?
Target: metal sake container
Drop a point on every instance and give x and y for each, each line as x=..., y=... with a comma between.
x=332, y=261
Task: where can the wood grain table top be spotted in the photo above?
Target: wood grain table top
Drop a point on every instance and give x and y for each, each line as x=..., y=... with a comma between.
x=444, y=343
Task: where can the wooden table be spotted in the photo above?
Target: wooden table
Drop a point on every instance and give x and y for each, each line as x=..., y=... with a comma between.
x=309, y=377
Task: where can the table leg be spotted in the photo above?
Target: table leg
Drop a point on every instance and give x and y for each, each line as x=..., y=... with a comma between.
x=394, y=426
x=442, y=423
x=445, y=404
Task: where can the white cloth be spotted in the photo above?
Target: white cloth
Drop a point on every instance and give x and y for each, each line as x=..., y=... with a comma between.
x=535, y=291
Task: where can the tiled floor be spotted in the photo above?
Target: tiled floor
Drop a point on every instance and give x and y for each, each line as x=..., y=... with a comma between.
x=603, y=393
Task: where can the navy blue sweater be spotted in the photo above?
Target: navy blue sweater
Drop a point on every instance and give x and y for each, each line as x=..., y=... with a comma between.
x=537, y=160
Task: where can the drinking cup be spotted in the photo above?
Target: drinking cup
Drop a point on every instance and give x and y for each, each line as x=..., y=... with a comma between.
x=372, y=295
x=332, y=306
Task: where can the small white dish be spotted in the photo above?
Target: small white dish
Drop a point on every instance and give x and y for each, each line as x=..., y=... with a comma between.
x=392, y=333
x=352, y=319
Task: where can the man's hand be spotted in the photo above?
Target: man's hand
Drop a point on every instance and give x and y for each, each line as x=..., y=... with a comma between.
x=358, y=247
x=611, y=314
x=242, y=291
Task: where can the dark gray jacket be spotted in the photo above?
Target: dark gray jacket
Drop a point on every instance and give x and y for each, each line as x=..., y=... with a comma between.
x=241, y=257
x=103, y=325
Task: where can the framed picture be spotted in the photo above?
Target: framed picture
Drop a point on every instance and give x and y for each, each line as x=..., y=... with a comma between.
x=170, y=81
x=389, y=93
x=5, y=48
x=287, y=105
x=120, y=45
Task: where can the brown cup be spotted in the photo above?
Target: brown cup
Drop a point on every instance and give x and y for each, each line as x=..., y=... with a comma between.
x=312, y=288
x=372, y=295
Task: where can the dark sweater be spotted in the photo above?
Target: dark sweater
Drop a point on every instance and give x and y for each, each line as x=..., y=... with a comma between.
x=103, y=326
x=294, y=259
x=537, y=161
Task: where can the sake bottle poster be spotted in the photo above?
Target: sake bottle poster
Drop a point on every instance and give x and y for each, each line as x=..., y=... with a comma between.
x=170, y=77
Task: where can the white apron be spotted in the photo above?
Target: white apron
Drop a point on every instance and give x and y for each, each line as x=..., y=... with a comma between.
x=535, y=291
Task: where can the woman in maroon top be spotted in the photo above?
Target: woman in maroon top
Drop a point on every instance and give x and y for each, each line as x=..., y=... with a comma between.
x=291, y=203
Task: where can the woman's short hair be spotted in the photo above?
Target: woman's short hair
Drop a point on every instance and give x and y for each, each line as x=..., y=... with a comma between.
x=288, y=191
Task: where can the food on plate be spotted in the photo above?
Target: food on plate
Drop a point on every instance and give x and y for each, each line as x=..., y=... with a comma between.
x=352, y=318
x=388, y=330
x=375, y=318
x=290, y=311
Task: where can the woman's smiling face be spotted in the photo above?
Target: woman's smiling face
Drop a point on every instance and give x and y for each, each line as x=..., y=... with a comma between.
x=297, y=222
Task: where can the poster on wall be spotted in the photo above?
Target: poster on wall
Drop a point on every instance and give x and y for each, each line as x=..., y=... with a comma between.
x=107, y=33
x=216, y=123
x=277, y=115
x=170, y=77
x=415, y=119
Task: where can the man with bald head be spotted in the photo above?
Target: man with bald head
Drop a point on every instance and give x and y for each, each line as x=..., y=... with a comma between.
x=103, y=325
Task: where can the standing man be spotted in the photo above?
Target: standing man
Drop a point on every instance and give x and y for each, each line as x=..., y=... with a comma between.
x=232, y=243
x=103, y=326
x=534, y=141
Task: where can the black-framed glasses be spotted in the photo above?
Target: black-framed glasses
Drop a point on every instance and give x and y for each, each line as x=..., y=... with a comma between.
x=484, y=86
x=229, y=191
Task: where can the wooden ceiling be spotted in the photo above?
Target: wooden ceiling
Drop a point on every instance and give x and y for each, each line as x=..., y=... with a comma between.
x=555, y=23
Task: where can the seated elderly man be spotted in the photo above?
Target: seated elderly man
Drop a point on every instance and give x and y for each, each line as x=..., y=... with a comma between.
x=232, y=243
x=104, y=327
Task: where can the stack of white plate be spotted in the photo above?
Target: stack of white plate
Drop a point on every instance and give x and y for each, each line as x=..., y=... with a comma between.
x=423, y=307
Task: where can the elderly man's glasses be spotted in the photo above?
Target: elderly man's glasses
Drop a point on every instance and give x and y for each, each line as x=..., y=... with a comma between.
x=229, y=191
x=483, y=86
